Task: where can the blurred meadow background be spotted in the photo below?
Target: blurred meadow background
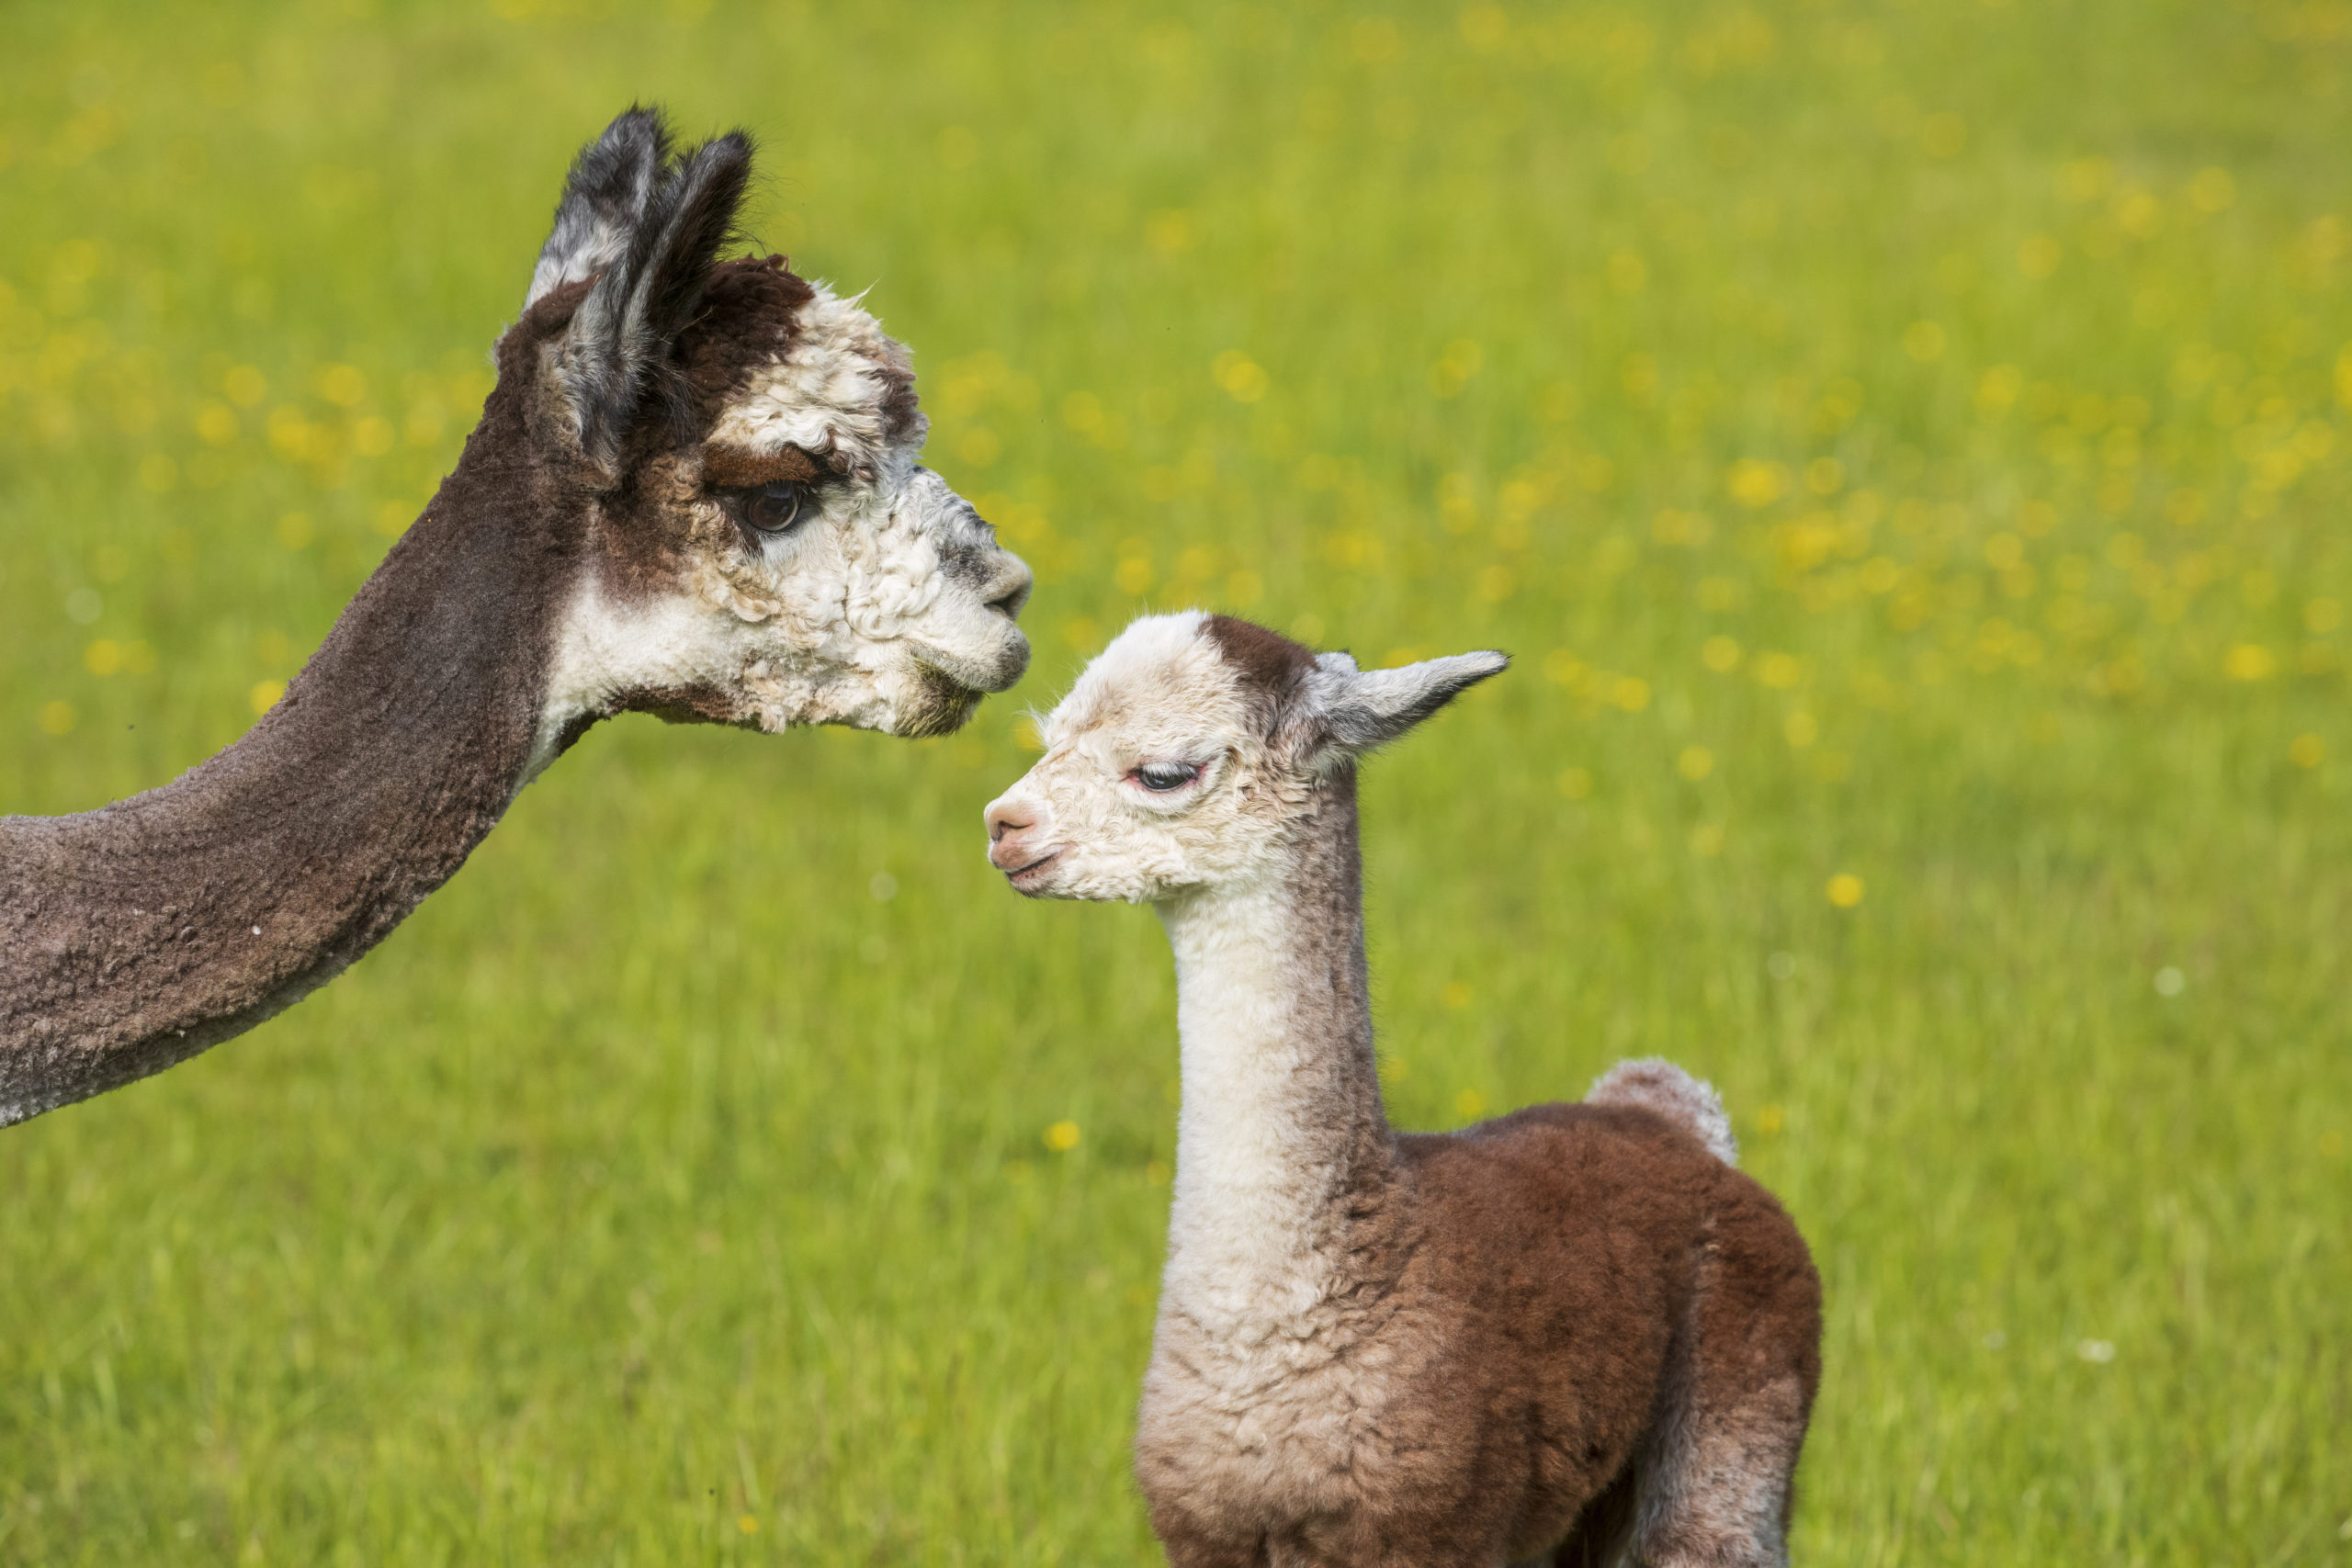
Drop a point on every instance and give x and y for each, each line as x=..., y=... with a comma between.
x=1906, y=445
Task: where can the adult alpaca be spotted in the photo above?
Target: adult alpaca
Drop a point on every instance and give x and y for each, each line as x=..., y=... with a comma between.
x=694, y=491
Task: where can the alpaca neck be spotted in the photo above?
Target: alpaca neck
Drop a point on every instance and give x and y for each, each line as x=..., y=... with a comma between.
x=1282, y=1124
x=135, y=935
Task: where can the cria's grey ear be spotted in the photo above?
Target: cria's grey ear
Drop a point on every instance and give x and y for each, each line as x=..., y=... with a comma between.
x=617, y=347
x=612, y=181
x=1358, y=710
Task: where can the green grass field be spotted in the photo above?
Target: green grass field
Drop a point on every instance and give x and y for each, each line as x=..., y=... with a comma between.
x=1906, y=446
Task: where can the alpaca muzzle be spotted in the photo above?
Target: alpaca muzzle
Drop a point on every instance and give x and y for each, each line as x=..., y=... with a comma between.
x=1017, y=835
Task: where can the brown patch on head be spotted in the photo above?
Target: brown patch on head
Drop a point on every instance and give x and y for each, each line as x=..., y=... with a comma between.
x=745, y=325
x=733, y=467
x=748, y=322
x=1269, y=663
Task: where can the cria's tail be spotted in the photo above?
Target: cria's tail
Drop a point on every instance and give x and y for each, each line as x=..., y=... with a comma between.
x=1656, y=1084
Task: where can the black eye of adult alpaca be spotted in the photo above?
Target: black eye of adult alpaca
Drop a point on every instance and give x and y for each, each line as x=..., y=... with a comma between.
x=1161, y=777
x=772, y=509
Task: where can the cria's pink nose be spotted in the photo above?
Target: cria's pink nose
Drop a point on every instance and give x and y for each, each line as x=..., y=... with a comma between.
x=1011, y=826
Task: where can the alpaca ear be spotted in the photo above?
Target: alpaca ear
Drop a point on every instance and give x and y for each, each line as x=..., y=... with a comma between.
x=620, y=338
x=603, y=199
x=1356, y=711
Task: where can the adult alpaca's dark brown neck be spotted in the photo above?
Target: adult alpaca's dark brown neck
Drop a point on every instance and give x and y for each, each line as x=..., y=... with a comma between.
x=134, y=936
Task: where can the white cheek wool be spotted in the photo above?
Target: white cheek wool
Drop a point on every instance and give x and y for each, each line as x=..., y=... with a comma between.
x=829, y=628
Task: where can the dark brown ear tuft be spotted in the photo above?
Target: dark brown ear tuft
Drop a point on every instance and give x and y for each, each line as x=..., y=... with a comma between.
x=618, y=345
x=693, y=219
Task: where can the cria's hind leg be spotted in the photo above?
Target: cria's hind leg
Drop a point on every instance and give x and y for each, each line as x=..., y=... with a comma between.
x=1718, y=1490
x=1719, y=1474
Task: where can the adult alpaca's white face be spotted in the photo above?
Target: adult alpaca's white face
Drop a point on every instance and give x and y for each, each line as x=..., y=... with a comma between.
x=762, y=546
x=798, y=565
x=871, y=556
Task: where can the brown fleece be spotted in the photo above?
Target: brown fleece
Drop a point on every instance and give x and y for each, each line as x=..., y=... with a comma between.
x=136, y=935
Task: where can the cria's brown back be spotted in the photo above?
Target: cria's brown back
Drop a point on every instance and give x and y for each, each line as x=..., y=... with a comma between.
x=1593, y=1258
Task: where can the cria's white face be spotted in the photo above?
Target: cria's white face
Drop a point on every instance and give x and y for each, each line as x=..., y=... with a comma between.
x=1154, y=778
x=1185, y=747
x=799, y=565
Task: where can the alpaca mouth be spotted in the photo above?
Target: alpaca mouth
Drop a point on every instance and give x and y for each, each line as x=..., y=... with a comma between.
x=994, y=670
x=940, y=704
x=1021, y=877
x=949, y=686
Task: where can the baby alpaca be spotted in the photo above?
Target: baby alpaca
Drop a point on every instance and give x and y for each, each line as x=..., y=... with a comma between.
x=1574, y=1335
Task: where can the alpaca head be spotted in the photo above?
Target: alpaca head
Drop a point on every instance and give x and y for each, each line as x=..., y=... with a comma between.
x=736, y=453
x=1188, y=748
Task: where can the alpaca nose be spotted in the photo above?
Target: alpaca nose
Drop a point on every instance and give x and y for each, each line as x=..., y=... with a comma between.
x=1009, y=822
x=1010, y=590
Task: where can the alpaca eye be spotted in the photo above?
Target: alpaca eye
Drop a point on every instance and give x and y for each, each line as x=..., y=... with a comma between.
x=1161, y=777
x=774, y=509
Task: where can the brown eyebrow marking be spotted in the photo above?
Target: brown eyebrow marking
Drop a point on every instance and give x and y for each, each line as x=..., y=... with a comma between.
x=733, y=467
